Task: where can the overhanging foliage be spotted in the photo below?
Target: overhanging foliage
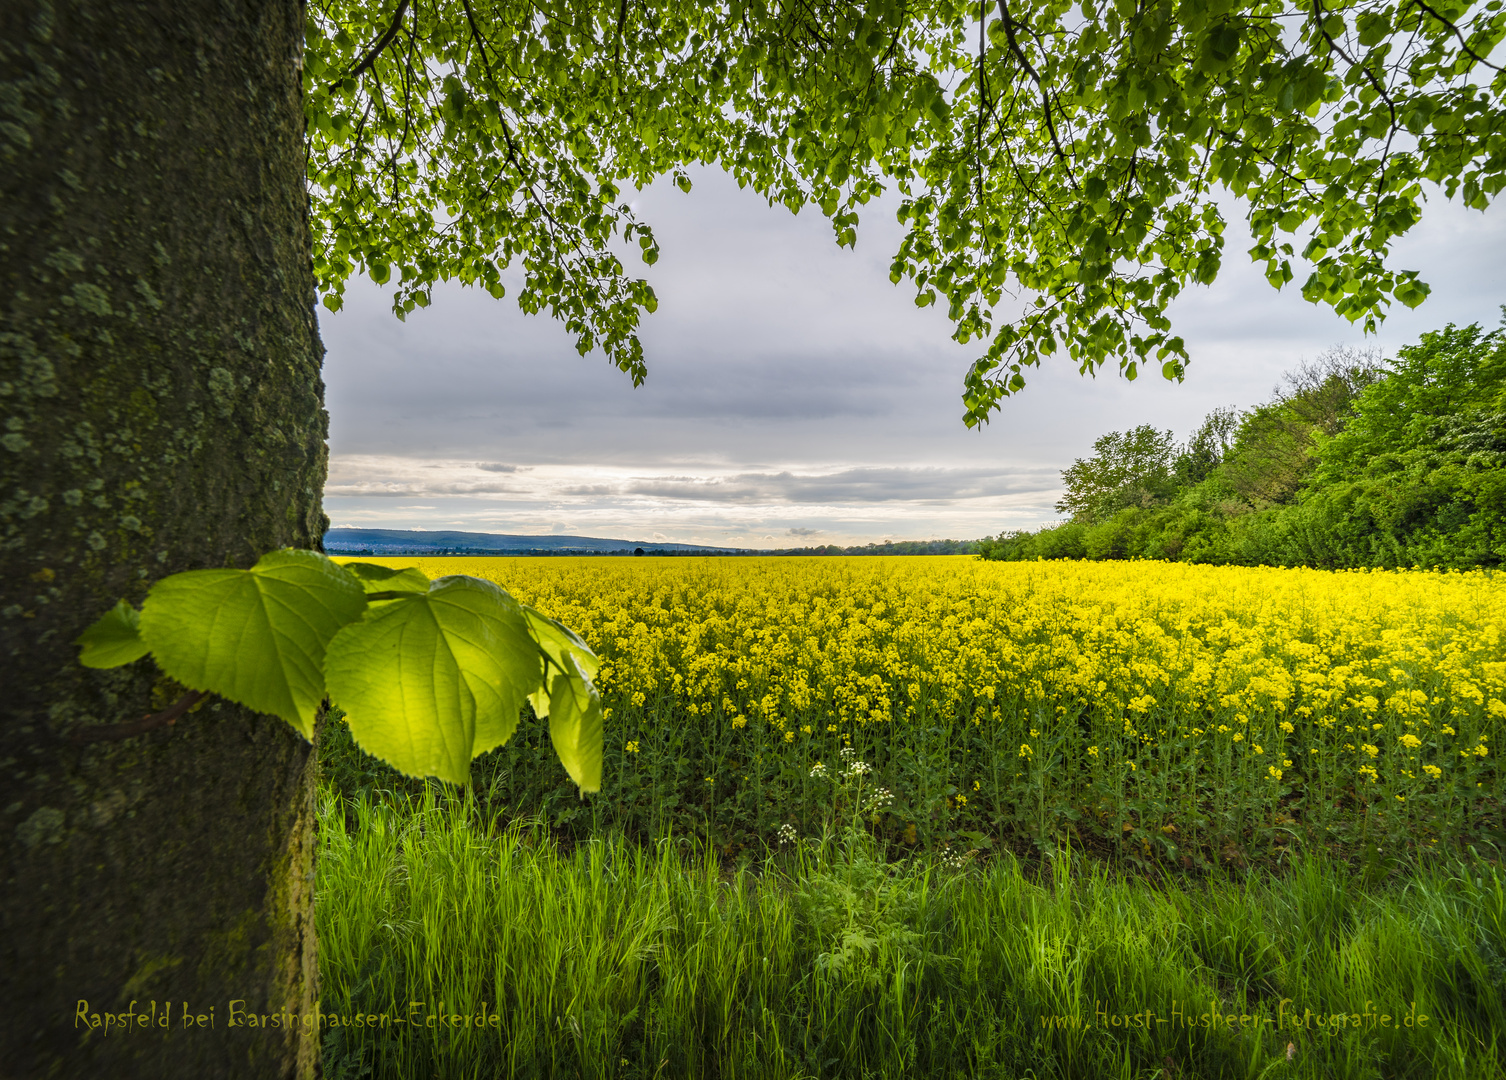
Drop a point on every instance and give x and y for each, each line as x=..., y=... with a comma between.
x=1074, y=153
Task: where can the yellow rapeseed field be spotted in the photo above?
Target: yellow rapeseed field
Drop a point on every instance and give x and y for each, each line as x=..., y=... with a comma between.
x=1172, y=703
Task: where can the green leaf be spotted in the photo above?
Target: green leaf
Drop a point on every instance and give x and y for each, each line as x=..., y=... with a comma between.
x=431, y=680
x=557, y=641
x=1223, y=44
x=255, y=636
x=575, y=725
x=378, y=579
x=113, y=640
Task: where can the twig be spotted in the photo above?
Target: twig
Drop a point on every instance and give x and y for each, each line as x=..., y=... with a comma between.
x=983, y=102
x=1374, y=82
x=1014, y=47
x=166, y=718
x=382, y=42
x=1129, y=181
x=1463, y=43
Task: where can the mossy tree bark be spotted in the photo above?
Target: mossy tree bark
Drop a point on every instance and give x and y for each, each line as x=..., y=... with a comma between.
x=162, y=410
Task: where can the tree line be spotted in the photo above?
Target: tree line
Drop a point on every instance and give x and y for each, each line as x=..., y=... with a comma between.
x=1355, y=461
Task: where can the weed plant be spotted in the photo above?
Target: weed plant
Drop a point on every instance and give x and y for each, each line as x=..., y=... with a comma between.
x=491, y=950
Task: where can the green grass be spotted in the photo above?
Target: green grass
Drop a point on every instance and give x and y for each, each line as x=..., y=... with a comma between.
x=622, y=959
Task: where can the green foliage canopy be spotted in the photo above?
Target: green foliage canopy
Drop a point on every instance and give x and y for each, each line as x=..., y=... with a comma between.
x=1357, y=462
x=1443, y=398
x=1132, y=468
x=1208, y=447
x=1075, y=152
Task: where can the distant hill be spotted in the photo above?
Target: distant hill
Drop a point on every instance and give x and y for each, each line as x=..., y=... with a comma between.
x=417, y=542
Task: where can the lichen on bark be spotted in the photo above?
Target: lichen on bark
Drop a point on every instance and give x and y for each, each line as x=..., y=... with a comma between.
x=161, y=409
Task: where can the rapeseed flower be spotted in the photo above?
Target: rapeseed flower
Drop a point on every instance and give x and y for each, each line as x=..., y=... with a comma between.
x=1102, y=661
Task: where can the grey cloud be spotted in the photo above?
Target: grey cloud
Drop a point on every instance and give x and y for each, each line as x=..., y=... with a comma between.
x=495, y=466
x=804, y=532
x=934, y=485
x=473, y=489
x=411, y=491
x=698, y=489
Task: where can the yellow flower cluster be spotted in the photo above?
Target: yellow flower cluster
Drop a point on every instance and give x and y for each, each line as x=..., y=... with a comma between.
x=1381, y=674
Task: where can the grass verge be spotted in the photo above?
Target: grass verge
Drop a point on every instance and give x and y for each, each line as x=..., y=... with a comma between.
x=490, y=951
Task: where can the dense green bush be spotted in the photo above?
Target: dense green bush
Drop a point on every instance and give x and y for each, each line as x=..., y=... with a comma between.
x=1355, y=463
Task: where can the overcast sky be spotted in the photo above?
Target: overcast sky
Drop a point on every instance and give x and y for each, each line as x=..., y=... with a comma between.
x=794, y=395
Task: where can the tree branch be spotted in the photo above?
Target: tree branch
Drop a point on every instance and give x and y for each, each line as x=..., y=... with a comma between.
x=382, y=42
x=166, y=718
x=1462, y=43
x=617, y=42
x=512, y=149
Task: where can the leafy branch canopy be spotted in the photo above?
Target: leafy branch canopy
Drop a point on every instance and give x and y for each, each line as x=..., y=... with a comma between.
x=1079, y=155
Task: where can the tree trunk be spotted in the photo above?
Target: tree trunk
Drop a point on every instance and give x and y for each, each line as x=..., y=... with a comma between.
x=162, y=411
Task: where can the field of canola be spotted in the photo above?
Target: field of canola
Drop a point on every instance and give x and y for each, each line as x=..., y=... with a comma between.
x=1164, y=711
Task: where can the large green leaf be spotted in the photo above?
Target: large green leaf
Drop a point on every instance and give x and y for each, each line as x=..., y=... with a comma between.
x=575, y=725
x=429, y=681
x=114, y=639
x=254, y=636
